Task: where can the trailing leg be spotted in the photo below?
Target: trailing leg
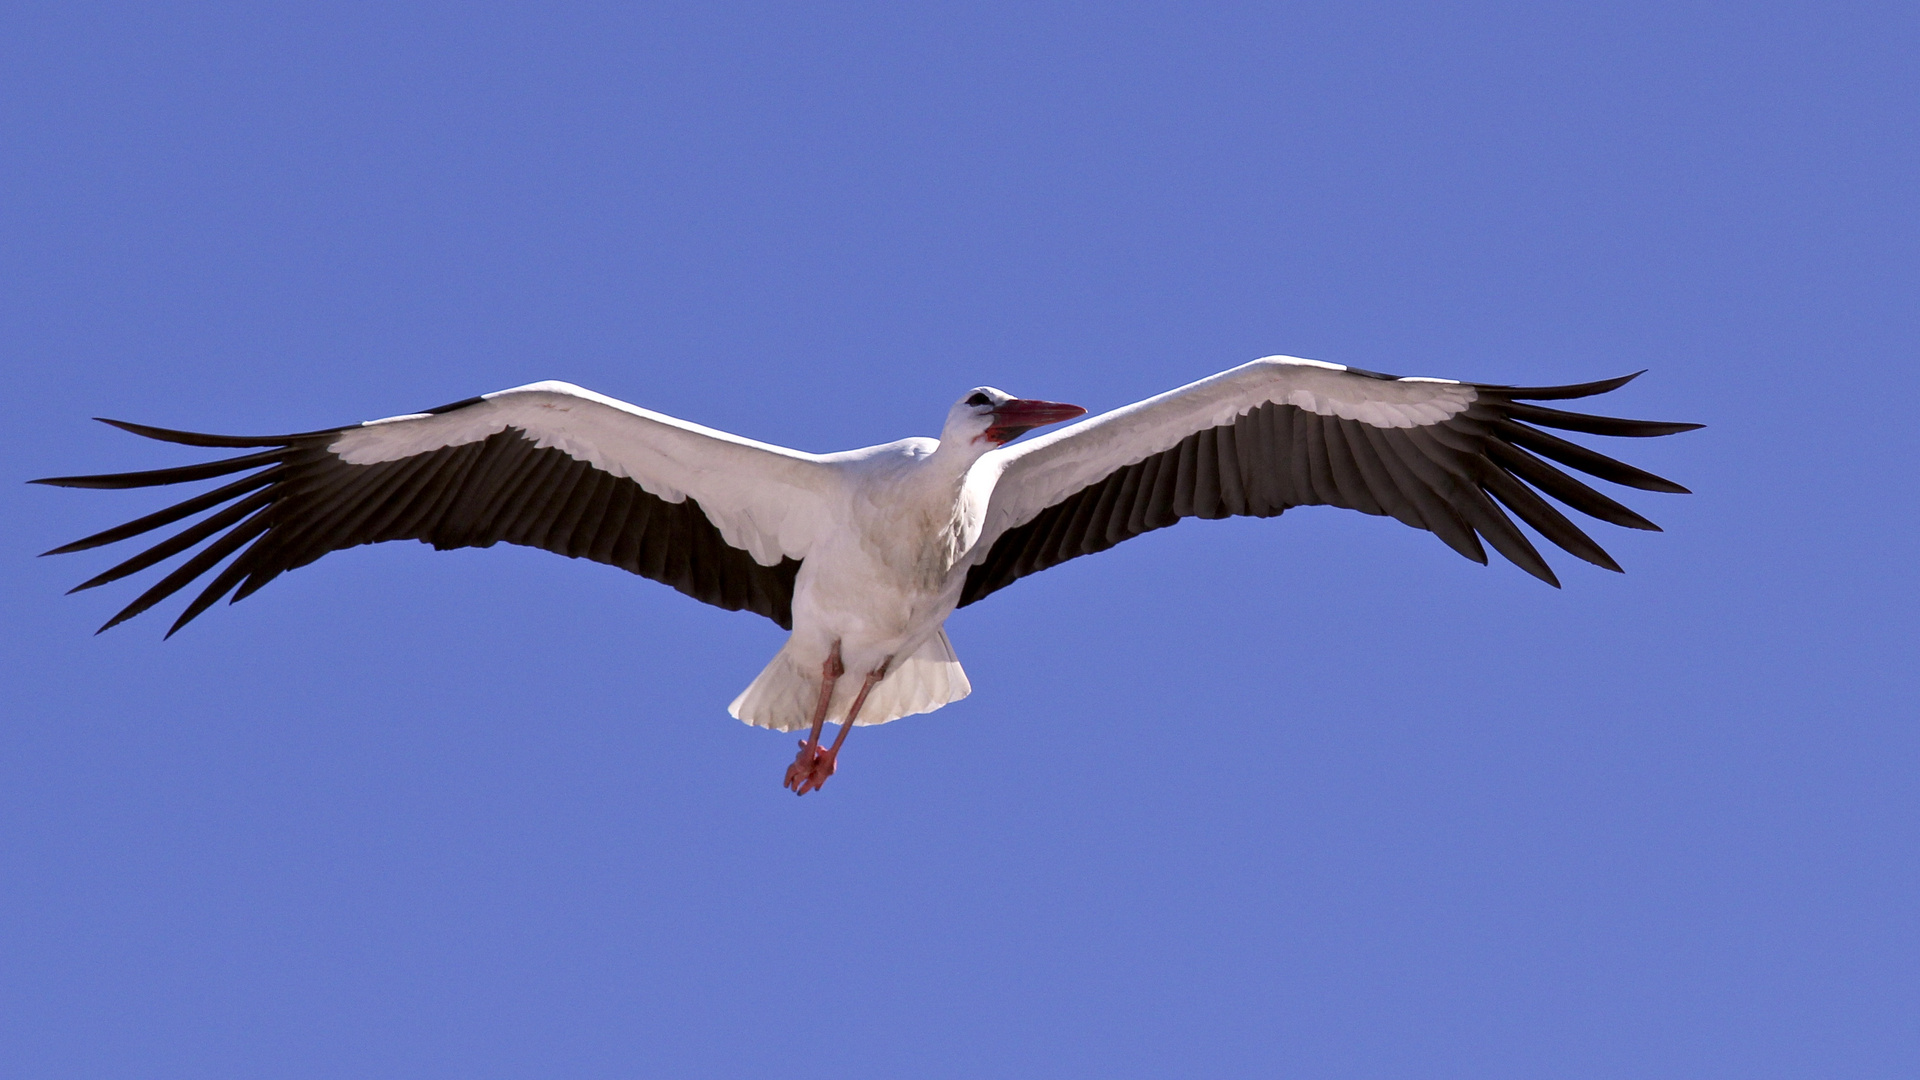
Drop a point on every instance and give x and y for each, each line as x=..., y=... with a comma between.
x=822, y=763
x=800, y=772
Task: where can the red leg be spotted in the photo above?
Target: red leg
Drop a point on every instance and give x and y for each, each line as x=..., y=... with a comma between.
x=824, y=761
x=802, y=767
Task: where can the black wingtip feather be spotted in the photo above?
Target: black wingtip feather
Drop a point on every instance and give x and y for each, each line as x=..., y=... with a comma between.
x=1593, y=425
x=179, y=474
x=102, y=480
x=197, y=438
x=173, y=513
x=95, y=582
x=1588, y=461
x=1560, y=393
x=1564, y=487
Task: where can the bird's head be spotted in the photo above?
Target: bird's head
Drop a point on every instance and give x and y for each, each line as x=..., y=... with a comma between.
x=986, y=417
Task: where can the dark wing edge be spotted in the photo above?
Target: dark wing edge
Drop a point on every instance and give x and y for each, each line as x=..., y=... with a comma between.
x=1452, y=478
x=303, y=502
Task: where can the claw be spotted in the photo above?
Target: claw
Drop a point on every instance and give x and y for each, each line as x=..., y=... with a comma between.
x=810, y=769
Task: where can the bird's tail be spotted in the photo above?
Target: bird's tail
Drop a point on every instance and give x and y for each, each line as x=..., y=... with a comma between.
x=784, y=695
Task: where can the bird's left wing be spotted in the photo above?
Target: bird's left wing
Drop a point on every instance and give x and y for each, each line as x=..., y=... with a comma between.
x=1280, y=432
x=722, y=519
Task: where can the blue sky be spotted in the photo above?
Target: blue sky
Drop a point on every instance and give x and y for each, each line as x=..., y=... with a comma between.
x=1305, y=797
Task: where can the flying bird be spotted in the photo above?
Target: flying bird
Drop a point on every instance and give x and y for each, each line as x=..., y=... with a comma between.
x=863, y=554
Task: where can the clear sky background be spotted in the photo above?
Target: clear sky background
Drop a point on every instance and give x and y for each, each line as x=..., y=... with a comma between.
x=1303, y=797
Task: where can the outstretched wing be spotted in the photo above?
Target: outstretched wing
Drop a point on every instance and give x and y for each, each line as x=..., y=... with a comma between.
x=720, y=518
x=1280, y=432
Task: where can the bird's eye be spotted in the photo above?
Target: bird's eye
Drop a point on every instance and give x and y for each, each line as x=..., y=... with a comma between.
x=979, y=399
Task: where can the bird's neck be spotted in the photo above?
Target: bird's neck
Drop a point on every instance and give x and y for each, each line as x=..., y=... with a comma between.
x=956, y=454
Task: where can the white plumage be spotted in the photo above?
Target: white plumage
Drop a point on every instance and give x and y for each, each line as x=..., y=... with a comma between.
x=864, y=554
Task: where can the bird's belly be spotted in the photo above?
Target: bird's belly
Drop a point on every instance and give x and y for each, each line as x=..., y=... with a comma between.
x=867, y=603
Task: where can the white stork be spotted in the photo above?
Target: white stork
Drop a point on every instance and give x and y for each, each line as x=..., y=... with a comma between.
x=863, y=554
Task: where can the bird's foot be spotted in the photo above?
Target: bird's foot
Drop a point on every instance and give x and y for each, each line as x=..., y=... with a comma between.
x=810, y=767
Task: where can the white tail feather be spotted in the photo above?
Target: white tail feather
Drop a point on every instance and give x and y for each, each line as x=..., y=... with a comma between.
x=783, y=696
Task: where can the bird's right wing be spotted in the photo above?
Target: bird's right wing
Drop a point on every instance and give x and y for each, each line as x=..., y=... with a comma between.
x=722, y=519
x=1280, y=432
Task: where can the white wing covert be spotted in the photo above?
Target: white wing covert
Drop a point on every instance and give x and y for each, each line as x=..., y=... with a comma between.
x=720, y=518
x=1280, y=432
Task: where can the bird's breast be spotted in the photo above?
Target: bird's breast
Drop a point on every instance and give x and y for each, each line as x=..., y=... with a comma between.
x=891, y=561
x=907, y=547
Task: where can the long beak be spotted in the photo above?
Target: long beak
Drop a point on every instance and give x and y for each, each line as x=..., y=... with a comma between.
x=1021, y=415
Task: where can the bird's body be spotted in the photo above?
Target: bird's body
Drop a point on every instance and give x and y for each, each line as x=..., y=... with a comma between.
x=864, y=554
x=884, y=578
x=880, y=586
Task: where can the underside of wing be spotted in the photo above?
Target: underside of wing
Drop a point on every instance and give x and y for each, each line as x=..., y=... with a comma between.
x=502, y=483
x=1451, y=458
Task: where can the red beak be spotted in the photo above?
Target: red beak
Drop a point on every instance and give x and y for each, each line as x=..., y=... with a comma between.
x=1021, y=415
